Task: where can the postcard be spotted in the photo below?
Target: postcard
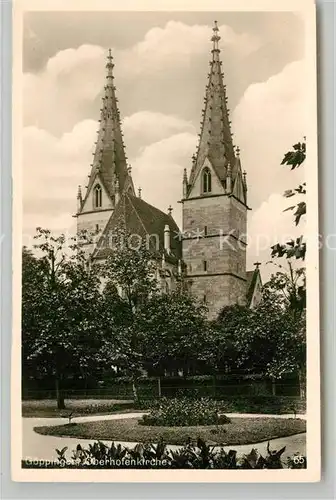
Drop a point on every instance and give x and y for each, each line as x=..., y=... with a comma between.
x=165, y=242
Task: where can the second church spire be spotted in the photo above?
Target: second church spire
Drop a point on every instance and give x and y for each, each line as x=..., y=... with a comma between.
x=215, y=141
x=109, y=158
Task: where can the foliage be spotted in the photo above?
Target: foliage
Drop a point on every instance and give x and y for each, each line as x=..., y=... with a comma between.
x=183, y=412
x=130, y=275
x=294, y=248
x=267, y=339
x=289, y=287
x=264, y=404
x=296, y=157
x=154, y=331
x=75, y=408
x=131, y=270
x=60, y=307
x=158, y=456
x=174, y=329
x=226, y=348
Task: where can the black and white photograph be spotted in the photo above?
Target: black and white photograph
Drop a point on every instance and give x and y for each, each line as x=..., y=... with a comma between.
x=166, y=243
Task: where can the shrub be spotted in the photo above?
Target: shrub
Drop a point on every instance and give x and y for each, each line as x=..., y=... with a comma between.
x=263, y=404
x=249, y=404
x=150, y=456
x=183, y=412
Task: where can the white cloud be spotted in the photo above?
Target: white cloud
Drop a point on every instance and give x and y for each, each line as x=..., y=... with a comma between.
x=64, y=91
x=54, y=166
x=55, y=97
x=52, y=169
x=175, y=45
x=269, y=119
x=145, y=127
x=159, y=170
x=268, y=225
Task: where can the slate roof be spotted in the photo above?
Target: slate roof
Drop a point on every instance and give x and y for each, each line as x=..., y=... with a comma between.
x=138, y=217
x=251, y=277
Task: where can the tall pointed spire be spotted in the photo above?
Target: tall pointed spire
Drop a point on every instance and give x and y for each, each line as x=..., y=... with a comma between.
x=215, y=140
x=109, y=159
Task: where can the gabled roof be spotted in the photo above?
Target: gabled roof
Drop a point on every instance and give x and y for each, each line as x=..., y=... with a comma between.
x=109, y=159
x=137, y=217
x=252, y=278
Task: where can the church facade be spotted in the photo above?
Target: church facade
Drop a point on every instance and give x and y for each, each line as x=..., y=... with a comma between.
x=209, y=251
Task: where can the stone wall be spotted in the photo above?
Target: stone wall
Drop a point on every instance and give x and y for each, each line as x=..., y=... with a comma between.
x=94, y=223
x=214, y=250
x=218, y=291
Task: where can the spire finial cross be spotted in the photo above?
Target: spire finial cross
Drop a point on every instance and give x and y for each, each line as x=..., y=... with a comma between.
x=215, y=37
x=257, y=264
x=109, y=66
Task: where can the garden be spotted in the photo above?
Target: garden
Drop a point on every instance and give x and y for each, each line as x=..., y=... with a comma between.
x=88, y=350
x=181, y=420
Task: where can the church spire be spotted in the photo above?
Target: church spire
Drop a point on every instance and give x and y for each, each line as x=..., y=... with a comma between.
x=109, y=159
x=215, y=141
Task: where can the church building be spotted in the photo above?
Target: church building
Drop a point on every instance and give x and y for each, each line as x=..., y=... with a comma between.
x=209, y=251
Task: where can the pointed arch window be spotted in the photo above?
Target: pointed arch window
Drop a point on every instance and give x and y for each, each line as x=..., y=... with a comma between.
x=206, y=180
x=97, y=196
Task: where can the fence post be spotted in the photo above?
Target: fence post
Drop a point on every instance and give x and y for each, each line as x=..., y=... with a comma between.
x=159, y=387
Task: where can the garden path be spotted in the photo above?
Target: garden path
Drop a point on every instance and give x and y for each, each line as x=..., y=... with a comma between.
x=40, y=447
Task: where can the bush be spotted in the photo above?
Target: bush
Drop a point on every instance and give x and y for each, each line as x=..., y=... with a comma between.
x=150, y=456
x=263, y=404
x=248, y=404
x=184, y=412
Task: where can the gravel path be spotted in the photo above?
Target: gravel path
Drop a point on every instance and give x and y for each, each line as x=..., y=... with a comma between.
x=37, y=446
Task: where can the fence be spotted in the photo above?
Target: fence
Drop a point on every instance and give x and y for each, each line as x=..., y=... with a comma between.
x=154, y=388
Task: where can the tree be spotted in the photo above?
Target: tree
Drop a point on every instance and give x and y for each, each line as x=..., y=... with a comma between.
x=290, y=286
x=267, y=340
x=33, y=293
x=225, y=350
x=284, y=335
x=174, y=330
x=131, y=272
x=60, y=298
x=294, y=248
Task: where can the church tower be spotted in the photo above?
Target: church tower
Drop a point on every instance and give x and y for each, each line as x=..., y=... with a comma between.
x=110, y=176
x=215, y=203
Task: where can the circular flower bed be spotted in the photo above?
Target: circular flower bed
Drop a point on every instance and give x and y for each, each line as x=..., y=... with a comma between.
x=184, y=412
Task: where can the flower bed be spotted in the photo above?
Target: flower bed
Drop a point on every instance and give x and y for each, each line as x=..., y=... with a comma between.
x=184, y=412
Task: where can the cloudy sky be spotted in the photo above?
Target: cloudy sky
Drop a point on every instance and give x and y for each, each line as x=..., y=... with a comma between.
x=161, y=66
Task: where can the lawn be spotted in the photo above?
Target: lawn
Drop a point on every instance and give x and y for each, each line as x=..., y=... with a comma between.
x=48, y=407
x=239, y=431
